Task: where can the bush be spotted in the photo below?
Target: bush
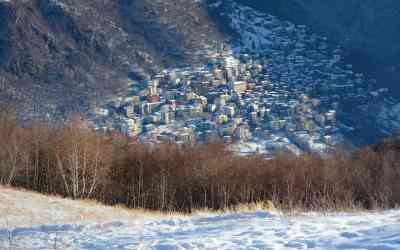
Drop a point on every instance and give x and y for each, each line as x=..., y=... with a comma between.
x=75, y=162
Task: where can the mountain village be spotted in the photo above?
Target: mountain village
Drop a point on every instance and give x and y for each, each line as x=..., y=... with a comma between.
x=284, y=97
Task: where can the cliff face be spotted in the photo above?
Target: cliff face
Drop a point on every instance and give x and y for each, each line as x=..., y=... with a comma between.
x=369, y=30
x=56, y=55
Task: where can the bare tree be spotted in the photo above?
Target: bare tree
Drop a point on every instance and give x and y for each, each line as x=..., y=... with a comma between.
x=78, y=160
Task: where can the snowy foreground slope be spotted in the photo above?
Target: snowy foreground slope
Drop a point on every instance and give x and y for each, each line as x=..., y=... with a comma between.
x=32, y=221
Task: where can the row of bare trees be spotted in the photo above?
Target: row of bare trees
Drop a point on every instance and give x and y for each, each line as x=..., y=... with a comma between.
x=75, y=162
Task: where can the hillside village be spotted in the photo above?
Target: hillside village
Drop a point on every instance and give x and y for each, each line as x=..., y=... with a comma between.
x=271, y=85
x=280, y=89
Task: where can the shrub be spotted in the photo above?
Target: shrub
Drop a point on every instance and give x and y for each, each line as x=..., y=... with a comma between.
x=74, y=161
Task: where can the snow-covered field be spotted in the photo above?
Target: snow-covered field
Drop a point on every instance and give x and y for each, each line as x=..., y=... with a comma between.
x=33, y=221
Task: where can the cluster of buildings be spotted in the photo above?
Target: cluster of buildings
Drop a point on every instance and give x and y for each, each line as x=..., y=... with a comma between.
x=231, y=99
x=281, y=90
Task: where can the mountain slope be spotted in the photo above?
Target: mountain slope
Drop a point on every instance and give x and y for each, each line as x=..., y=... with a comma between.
x=368, y=30
x=312, y=63
x=63, y=56
x=57, y=53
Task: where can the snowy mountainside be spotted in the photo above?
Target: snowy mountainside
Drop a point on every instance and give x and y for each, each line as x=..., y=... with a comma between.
x=33, y=221
x=298, y=56
x=368, y=31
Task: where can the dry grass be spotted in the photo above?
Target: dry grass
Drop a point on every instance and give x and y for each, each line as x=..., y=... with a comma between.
x=24, y=208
